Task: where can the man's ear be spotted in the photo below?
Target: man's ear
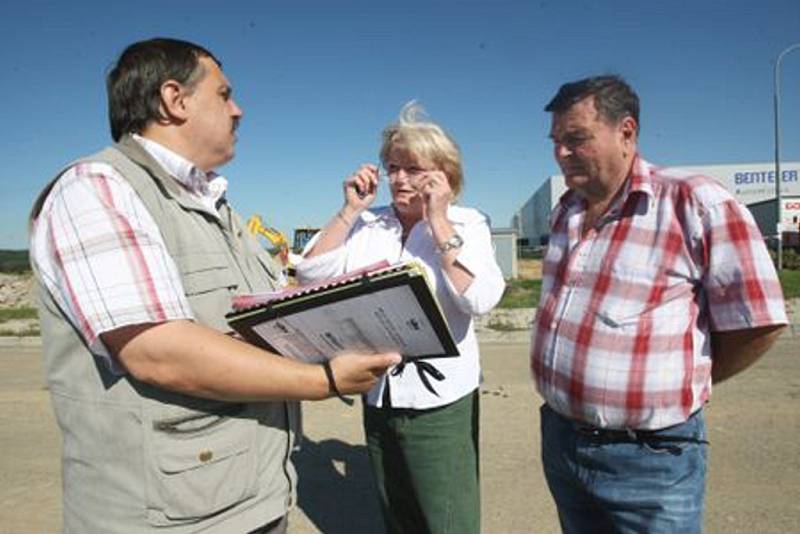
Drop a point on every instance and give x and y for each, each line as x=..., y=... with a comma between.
x=173, y=101
x=630, y=131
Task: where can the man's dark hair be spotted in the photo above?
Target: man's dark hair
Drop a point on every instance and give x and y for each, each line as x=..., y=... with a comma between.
x=613, y=97
x=134, y=83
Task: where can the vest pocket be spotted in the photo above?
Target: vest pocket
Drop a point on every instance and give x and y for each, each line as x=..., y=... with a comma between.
x=198, y=466
x=206, y=272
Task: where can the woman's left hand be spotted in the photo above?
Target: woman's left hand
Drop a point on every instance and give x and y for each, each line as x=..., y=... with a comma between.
x=436, y=193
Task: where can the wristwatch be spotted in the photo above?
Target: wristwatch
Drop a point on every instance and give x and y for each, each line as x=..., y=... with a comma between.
x=455, y=241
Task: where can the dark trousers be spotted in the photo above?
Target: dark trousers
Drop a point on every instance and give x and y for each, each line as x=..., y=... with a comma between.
x=426, y=466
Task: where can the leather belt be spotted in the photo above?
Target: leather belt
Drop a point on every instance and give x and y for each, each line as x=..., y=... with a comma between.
x=630, y=435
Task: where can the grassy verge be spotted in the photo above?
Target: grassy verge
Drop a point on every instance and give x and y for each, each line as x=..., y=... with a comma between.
x=21, y=313
x=9, y=314
x=790, y=281
x=521, y=294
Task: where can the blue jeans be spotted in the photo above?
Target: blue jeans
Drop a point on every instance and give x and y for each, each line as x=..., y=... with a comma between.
x=613, y=486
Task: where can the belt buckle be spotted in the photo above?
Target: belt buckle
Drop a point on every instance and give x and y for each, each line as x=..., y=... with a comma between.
x=608, y=433
x=590, y=431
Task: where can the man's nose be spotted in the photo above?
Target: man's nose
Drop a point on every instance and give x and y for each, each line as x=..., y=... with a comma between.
x=236, y=111
x=562, y=151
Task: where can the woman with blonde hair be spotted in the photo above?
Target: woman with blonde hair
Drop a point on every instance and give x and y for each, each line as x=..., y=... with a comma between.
x=421, y=420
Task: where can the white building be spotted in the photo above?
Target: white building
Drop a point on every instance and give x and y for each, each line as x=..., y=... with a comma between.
x=751, y=184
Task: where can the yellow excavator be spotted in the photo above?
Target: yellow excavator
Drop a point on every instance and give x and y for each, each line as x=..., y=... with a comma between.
x=277, y=244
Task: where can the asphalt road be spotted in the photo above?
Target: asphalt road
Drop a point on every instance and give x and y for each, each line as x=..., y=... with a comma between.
x=753, y=483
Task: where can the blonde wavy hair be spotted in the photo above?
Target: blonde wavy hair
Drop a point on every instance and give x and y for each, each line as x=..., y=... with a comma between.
x=421, y=138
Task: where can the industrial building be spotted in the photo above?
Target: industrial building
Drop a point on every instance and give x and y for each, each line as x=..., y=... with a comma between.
x=753, y=184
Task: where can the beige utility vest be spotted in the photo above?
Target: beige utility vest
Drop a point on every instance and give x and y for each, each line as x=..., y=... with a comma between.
x=140, y=459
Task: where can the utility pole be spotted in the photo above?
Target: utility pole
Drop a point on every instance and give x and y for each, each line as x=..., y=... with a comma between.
x=778, y=178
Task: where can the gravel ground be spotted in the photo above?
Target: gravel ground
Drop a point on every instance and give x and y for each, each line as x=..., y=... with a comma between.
x=753, y=423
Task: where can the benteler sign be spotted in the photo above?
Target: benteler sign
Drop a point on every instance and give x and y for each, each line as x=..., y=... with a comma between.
x=754, y=182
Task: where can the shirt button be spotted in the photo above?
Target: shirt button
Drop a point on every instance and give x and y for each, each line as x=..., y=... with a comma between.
x=205, y=456
x=553, y=325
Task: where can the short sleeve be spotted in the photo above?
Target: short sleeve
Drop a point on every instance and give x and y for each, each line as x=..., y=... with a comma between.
x=741, y=283
x=101, y=256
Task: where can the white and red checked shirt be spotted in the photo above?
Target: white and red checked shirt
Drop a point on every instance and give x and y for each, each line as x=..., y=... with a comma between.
x=101, y=255
x=622, y=334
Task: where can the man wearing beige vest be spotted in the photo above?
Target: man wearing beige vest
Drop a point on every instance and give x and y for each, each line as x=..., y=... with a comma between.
x=169, y=423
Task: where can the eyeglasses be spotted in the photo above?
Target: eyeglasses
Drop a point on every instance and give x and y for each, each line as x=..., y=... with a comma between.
x=392, y=175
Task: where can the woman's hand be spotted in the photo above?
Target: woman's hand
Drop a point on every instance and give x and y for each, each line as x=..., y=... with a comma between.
x=360, y=189
x=436, y=194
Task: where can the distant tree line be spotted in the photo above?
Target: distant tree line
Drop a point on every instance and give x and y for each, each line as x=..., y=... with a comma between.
x=14, y=261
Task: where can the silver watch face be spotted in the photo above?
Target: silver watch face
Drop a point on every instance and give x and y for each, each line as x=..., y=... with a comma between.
x=455, y=241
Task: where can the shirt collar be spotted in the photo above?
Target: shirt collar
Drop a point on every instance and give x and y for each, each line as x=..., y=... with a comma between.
x=639, y=181
x=208, y=187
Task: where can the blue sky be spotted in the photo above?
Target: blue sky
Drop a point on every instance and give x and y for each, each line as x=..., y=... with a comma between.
x=319, y=80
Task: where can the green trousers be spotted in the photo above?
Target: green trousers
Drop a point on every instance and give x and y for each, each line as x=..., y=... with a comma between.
x=426, y=466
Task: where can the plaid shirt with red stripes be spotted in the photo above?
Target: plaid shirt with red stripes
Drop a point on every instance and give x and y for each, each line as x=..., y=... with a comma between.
x=622, y=333
x=100, y=254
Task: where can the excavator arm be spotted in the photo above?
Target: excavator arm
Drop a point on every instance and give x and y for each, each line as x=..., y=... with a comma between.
x=278, y=245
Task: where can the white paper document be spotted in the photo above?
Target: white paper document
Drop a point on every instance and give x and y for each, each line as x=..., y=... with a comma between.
x=386, y=310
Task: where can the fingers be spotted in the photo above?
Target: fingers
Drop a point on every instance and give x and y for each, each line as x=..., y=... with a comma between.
x=436, y=193
x=382, y=362
x=364, y=182
x=358, y=373
x=432, y=182
x=373, y=365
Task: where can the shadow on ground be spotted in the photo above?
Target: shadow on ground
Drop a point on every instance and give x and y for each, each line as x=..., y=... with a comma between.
x=335, y=489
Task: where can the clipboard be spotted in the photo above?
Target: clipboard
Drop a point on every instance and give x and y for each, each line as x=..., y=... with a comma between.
x=376, y=309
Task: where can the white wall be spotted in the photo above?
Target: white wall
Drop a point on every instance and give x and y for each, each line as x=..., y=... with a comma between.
x=505, y=251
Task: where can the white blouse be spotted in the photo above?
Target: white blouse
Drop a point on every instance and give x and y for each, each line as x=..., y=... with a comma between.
x=376, y=236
